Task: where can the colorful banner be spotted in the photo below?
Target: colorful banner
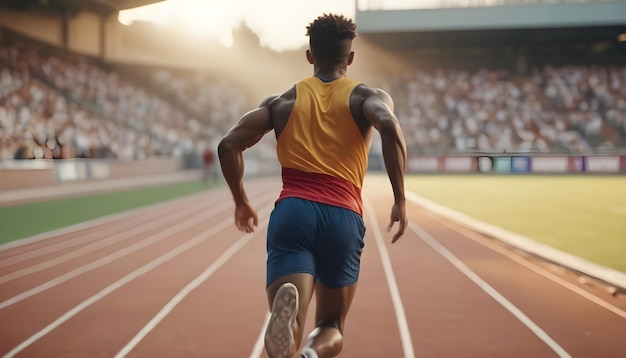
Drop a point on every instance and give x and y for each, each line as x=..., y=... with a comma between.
x=502, y=164
x=540, y=164
x=520, y=164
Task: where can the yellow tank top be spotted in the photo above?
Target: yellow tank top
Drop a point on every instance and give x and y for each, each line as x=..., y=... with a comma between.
x=321, y=135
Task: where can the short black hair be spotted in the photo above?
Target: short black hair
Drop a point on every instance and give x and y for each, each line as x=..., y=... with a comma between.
x=330, y=37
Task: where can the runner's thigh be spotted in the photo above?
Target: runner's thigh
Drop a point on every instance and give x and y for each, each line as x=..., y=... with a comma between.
x=339, y=246
x=291, y=239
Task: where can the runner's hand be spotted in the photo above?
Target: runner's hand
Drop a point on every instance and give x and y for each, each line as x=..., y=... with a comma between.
x=246, y=218
x=398, y=213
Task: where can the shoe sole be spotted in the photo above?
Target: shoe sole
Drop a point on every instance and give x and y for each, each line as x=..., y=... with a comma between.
x=279, y=339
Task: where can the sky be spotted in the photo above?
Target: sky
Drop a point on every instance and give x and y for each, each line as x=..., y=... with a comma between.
x=280, y=24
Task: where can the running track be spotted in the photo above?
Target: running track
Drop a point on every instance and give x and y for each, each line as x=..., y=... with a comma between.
x=178, y=280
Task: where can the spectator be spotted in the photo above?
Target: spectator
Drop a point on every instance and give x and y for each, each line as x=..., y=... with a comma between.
x=210, y=168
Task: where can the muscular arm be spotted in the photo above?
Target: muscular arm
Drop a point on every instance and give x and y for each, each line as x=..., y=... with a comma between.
x=244, y=134
x=378, y=110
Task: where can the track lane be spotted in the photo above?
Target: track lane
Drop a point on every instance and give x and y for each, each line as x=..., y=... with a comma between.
x=240, y=284
x=222, y=316
x=580, y=326
x=179, y=215
x=105, y=256
x=104, y=245
x=447, y=314
x=125, y=310
x=46, y=306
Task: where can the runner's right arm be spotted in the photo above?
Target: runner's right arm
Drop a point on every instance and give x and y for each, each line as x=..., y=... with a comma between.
x=244, y=134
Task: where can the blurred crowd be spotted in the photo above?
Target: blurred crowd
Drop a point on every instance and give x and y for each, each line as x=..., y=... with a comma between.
x=55, y=105
x=211, y=98
x=570, y=109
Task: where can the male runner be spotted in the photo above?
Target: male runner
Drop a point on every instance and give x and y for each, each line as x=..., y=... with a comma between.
x=323, y=127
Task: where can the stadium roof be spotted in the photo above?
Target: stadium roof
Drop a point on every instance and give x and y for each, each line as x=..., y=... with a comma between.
x=96, y=6
x=535, y=23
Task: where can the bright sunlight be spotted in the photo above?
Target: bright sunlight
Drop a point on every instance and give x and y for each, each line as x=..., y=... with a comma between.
x=279, y=24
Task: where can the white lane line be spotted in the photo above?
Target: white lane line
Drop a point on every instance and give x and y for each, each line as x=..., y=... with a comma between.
x=196, y=240
x=533, y=267
x=195, y=283
x=86, y=239
x=259, y=345
x=403, y=326
x=116, y=235
x=532, y=326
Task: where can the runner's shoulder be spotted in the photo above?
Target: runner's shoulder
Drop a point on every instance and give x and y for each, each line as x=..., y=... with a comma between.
x=272, y=100
x=365, y=91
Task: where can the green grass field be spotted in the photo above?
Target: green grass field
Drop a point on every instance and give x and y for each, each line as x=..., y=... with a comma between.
x=585, y=216
x=30, y=219
x=582, y=215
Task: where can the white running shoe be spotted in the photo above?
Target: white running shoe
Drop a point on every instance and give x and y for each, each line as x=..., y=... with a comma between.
x=279, y=339
x=308, y=352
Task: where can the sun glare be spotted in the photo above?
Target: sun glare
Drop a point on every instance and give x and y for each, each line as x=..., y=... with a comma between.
x=279, y=24
x=213, y=19
x=209, y=18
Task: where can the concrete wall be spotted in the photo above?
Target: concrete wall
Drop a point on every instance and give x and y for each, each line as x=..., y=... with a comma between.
x=42, y=27
x=84, y=34
x=38, y=173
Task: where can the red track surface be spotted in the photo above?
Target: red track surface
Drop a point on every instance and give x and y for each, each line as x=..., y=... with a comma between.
x=178, y=280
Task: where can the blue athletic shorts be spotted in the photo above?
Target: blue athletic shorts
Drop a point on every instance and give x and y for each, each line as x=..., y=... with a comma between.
x=308, y=237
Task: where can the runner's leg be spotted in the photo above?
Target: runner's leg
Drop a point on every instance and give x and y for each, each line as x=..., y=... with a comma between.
x=278, y=328
x=332, y=307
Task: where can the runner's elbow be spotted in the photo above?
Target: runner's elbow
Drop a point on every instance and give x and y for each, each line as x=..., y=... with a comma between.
x=388, y=126
x=226, y=145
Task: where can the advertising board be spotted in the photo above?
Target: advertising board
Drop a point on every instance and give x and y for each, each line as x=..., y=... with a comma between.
x=603, y=164
x=459, y=165
x=549, y=165
x=520, y=164
x=502, y=164
x=423, y=165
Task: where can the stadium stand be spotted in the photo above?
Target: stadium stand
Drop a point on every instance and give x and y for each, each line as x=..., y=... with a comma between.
x=569, y=109
x=207, y=96
x=502, y=85
x=526, y=76
x=58, y=105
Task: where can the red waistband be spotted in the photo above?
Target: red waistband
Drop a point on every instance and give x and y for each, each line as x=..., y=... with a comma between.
x=321, y=188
